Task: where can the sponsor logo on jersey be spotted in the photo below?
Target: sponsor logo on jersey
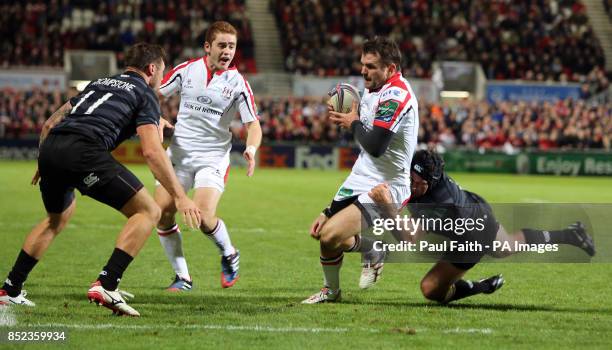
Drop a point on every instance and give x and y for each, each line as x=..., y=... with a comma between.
x=393, y=93
x=345, y=192
x=386, y=111
x=90, y=180
x=200, y=108
x=227, y=93
x=204, y=99
x=188, y=84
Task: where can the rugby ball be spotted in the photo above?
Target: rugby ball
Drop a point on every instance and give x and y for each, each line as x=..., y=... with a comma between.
x=341, y=97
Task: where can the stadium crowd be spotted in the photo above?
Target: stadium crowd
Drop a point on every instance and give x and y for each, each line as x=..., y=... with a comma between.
x=35, y=32
x=563, y=124
x=531, y=40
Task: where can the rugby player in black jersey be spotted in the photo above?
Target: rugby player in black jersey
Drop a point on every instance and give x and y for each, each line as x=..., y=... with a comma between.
x=436, y=195
x=75, y=147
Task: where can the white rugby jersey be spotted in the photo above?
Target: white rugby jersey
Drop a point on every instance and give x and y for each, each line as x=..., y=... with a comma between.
x=208, y=105
x=394, y=106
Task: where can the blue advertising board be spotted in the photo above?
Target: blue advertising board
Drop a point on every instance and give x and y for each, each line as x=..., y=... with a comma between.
x=497, y=92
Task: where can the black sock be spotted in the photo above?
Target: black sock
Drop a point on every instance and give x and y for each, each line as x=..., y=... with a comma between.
x=539, y=237
x=23, y=265
x=112, y=272
x=464, y=289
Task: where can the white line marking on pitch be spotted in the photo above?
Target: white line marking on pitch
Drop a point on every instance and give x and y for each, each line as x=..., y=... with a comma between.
x=534, y=200
x=7, y=317
x=196, y=326
x=249, y=328
x=469, y=330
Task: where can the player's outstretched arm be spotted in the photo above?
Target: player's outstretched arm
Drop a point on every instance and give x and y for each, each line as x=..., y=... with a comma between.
x=253, y=142
x=381, y=195
x=160, y=166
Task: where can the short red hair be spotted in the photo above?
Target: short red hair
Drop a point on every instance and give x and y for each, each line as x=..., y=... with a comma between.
x=219, y=27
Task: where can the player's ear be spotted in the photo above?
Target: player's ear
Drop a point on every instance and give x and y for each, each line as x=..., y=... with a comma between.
x=207, y=47
x=151, y=69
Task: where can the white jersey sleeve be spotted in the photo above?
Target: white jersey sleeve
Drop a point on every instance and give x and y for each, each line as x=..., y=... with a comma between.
x=393, y=104
x=246, y=104
x=173, y=80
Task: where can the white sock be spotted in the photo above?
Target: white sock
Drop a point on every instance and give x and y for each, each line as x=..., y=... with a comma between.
x=331, y=272
x=172, y=241
x=221, y=238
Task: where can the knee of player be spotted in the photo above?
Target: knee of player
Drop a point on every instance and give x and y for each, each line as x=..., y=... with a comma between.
x=431, y=290
x=154, y=212
x=56, y=225
x=329, y=238
x=58, y=222
x=209, y=222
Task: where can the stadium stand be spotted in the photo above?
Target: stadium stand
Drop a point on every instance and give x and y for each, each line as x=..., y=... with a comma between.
x=531, y=40
x=37, y=32
x=563, y=124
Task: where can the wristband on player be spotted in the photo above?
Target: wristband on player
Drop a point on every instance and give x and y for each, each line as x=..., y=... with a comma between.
x=327, y=212
x=251, y=149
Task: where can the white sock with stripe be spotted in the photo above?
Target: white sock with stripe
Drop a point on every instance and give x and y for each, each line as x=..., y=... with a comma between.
x=331, y=271
x=172, y=241
x=221, y=238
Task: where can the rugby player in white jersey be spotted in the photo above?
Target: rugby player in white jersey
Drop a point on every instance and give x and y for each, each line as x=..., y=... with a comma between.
x=385, y=125
x=211, y=93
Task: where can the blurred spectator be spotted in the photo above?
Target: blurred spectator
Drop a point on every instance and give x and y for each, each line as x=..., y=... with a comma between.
x=531, y=40
x=565, y=124
x=36, y=32
x=23, y=113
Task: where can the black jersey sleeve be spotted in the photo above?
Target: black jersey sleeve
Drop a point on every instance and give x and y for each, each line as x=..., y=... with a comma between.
x=375, y=142
x=149, y=112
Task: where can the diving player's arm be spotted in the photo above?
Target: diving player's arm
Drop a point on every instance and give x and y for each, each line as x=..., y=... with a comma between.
x=160, y=166
x=253, y=142
x=375, y=141
x=381, y=195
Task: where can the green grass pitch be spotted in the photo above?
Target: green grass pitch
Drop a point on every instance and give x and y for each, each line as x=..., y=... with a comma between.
x=541, y=305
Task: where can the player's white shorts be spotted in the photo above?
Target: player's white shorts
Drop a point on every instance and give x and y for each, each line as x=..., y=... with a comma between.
x=209, y=174
x=359, y=185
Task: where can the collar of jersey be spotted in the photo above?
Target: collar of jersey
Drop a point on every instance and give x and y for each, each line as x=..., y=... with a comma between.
x=134, y=74
x=219, y=72
x=395, y=77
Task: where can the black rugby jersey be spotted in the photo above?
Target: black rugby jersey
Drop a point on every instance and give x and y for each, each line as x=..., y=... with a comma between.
x=447, y=200
x=110, y=109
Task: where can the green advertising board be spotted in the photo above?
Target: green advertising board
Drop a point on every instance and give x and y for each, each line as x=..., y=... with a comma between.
x=591, y=164
x=485, y=162
x=550, y=163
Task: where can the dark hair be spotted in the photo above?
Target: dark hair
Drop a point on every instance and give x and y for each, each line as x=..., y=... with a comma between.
x=387, y=49
x=141, y=55
x=219, y=27
x=429, y=165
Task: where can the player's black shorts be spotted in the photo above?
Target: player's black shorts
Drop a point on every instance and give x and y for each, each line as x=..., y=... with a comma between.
x=69, y=161
x=466, y=260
